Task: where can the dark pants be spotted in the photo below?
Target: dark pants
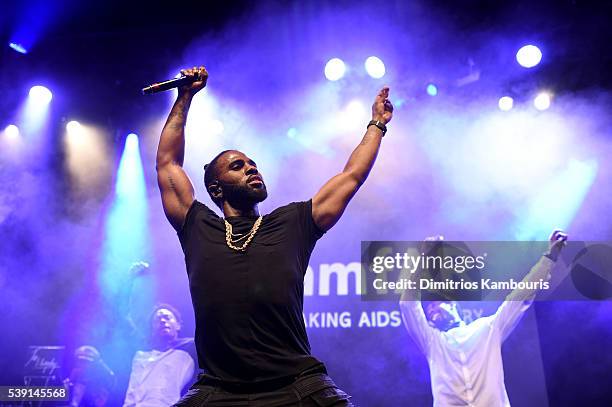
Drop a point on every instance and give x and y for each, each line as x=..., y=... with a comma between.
x=314, y=390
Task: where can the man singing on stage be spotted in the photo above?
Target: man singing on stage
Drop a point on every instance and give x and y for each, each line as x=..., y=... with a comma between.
x=246, y=271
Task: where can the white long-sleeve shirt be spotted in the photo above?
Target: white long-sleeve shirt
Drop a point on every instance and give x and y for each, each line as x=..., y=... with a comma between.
x=157, y=378
x=465, y=362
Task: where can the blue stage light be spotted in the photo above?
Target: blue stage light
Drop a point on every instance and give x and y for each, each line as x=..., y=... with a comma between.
x=334, y=69
x=131, y=144
x=432, y=90
x=558, y=201
x=529, y=56
x=127, y=233
x=375, y=67
x=127, y=239
x=292, y=132
x=40, y=95
x=34, y=113
x=18, y=47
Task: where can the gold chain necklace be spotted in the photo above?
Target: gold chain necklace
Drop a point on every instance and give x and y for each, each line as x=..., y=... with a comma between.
x=251, y=235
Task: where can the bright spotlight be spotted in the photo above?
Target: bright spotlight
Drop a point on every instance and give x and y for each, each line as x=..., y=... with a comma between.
x=356, y=109
x=18, y=47
x=542, y=101
x=352, y=116
x=334, y=69
x=73, y=127
x=375, y=67
x=130, y=176
x=11, y=131
x=40, y=95
x=529, y=56
x=34, y=113
x=505, y=103
x=131, y=142
x=432, y=90
x=216, y=128
x=126, y=235
x=292, y=132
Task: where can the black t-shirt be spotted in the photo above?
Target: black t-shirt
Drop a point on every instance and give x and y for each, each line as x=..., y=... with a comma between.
x=248, y=305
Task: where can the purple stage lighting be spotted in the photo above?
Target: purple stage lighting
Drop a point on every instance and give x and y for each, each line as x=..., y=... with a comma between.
x=11, y=131
x=542, y=101
x=40, y=95
x=375, y=67
x=131, y=142
x=18, y=47
x=529, y=56
x=505, y=103
x=335, y=69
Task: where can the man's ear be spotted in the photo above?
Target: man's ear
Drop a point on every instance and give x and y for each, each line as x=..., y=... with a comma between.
x=215, y=190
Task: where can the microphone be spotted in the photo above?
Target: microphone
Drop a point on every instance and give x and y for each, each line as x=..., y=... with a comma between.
x=170, y=84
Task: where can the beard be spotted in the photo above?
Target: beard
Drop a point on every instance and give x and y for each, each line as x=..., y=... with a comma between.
x=243, y=195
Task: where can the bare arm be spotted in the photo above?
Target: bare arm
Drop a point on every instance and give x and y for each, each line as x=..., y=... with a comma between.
x=332, y=199
x=176, y=189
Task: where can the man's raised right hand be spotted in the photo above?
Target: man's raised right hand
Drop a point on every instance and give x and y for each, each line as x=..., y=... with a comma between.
x=196, y=86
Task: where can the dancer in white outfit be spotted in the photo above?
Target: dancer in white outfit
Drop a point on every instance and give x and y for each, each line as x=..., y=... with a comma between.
x=465, y=360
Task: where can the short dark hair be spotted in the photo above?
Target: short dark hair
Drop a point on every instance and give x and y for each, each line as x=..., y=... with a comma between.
x=170, y=308
x=211, y=171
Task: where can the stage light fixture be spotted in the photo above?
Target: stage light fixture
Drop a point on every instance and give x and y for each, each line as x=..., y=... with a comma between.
x=375, y=67
x=73, y=127
x=505, y=103
x=432, y=90
x=542, y=101
x=18, y=47
x=40, y=95
x=334, y=69
x=131, y=143
x=11, y=131
x=529, y=56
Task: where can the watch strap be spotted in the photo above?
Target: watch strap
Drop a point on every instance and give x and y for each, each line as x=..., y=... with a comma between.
x=378, y=124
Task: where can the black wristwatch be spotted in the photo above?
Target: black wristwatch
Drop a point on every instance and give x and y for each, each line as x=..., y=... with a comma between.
x=378, y=124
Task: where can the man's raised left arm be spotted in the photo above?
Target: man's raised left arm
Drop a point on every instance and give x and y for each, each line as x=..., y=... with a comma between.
x=517, y=302
x=332, y=199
